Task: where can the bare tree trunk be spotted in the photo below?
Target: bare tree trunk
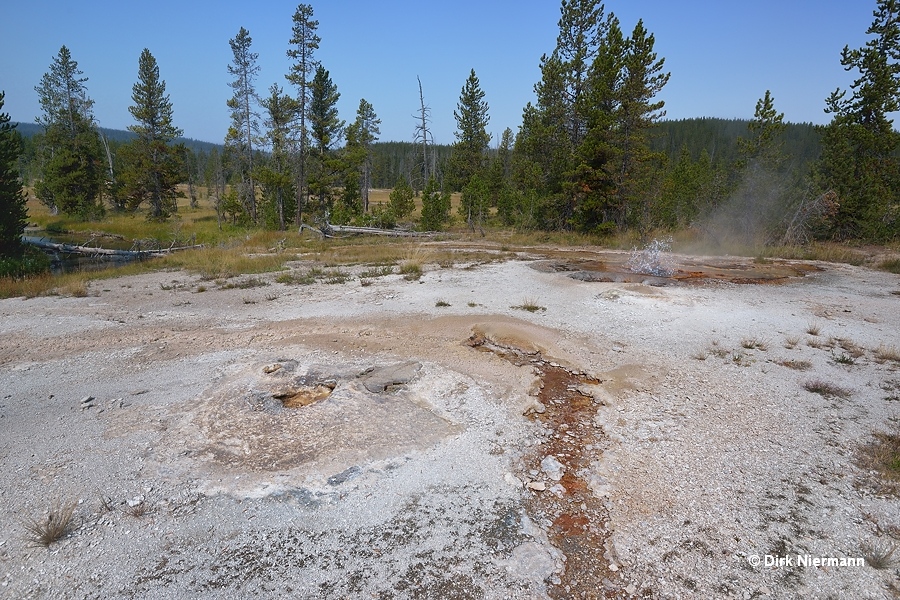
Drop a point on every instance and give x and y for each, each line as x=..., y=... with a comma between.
x=422, y=132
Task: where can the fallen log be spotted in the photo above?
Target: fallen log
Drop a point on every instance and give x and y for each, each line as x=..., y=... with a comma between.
x=94, y=251
x=378, y=231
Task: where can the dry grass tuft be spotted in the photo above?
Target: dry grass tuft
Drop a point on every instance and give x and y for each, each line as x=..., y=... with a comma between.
x=881, y=556
x=718, y=350
x=813, y=329
x=224, y=263
x=825, y=252
x=791, y=342
x=245, y=284
x=797, y=365
x=530, y=305
x=825, y=389
x=842, y=358
x=60, y=521
x=880, y=460
x=138, y=509
x=887, y=353
x=891, y=266
x=753, y=343
x=106, y=504
x=337, y=277
x=374, y=272
x=411, y=270
x=883, y=455
x=851, y=348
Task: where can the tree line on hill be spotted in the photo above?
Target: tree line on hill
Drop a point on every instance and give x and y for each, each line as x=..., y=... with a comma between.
x=593, y=152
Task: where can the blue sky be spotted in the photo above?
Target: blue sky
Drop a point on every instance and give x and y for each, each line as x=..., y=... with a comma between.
x=722, y=55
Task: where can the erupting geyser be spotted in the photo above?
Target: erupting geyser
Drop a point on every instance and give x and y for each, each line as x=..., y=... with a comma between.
x=653, y=259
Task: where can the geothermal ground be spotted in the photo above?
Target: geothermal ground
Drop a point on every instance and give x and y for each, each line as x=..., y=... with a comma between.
x=627, y=436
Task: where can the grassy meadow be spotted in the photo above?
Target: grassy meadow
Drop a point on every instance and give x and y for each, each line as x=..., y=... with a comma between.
x=230, y=250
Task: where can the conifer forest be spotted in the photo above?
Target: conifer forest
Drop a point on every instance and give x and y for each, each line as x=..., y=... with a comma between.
x=594, y=152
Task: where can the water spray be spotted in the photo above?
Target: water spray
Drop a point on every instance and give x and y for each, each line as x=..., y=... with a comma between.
x=654, y=259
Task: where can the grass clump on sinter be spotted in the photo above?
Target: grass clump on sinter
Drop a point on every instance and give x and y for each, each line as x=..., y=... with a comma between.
x=825, y=389
x=891, y=266
x=411, y=270
x=224, y=263
x=245, y=284
x=882, y=455
x=842, y=358
x=441, y=304
x=753, y=343
x=373, y=272
x=740, y=359
x=336, y=277
x=797, y=365
x=813, y=329
x=530, y=305
x=887, y=353
x=700, y=355
x=825, y=252
x=791, y=342
x=138, y=508
x=717, y=350
x=59, y=522
x=850, y=347
x=881, y=556
x=308, y=278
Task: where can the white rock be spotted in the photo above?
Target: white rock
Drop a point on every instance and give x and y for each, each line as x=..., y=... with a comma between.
x=538, y=486
x=512, y=480
x=552, y=467
x=558, y=490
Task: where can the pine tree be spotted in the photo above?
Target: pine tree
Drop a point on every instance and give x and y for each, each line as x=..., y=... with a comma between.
x=859, y=159
x=766, y=141
x=13, y=211
x=500, y=182
x=70, y=153
x=361, y=134
x=475, y=202
x=278, y=187
x=402, y=201
x=153, y=167
x=326, y=130
x=543, y=148
x=595, y=177
x=305, y=42
x=244, y=128
x=435, y=207
x=63, y=95
x=472, y=138
x=638, y=112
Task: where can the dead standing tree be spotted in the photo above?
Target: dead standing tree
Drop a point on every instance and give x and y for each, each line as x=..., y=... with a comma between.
x=423, y=134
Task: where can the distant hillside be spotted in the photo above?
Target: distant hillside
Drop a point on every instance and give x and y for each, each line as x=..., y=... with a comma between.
x=719, y=138
x=119, y=135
